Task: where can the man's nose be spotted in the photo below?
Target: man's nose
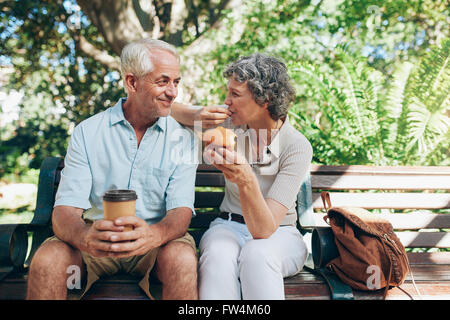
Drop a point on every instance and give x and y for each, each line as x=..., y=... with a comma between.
x=172, y=90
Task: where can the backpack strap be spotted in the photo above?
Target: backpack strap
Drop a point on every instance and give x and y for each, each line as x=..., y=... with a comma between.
x=326, y=200
x=338, y=289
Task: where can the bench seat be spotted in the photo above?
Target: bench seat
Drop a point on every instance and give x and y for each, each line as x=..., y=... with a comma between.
x=431, y=272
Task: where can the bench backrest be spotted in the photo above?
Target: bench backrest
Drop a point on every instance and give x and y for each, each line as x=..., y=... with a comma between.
x=414, y=199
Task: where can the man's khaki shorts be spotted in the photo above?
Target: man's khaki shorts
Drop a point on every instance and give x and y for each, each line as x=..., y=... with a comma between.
x=138, y=266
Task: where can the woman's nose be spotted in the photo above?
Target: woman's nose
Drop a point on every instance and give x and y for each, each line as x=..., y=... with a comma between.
x=227, y=101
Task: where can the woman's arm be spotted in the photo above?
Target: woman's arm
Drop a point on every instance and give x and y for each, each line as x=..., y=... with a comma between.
x=262, y=216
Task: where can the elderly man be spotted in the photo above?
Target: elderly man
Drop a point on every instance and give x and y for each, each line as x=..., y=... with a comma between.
x=133, y=145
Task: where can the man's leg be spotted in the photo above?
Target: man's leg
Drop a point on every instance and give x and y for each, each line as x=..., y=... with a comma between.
x=176, y=268
x=47, y=277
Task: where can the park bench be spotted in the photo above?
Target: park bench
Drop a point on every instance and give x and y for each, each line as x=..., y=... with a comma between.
x=415, y=199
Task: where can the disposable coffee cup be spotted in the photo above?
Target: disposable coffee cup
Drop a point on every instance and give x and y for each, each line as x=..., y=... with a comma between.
x=119, y=203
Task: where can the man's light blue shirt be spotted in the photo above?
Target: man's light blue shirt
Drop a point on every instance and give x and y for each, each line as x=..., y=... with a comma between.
x=103, y=154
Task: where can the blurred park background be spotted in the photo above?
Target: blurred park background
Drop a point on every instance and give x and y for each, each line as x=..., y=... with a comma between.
x=372, y=77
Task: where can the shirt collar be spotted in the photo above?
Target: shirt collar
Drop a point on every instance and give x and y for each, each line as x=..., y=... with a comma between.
x=275, y=146
x=117, y=112
x=118, y=116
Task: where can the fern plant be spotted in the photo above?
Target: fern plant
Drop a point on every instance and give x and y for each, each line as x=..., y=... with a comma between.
x=348, y=104
x=424, y=124
x=365, y=119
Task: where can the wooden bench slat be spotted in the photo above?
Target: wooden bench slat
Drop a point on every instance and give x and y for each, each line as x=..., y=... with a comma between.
x=416, y=258
x=430, y=273
x=206, y=179
x=421, y=272
x=424, y=239
x=208, y=199
x=400, y=221
x=382, y=182
x=382, y=200
x=207, y=168
x=433, y=282
x=318, y=169
x=419, y=220
x=428, y=291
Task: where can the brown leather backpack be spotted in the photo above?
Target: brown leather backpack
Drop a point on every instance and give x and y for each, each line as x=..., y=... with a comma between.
x=371, y=256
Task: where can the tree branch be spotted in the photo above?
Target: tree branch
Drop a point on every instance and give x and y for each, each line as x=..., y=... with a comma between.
x=146, y=18
x=101, y=56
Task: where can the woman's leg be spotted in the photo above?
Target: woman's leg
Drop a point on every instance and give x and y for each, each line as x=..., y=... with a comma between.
x=218, y=269
x=263, y=263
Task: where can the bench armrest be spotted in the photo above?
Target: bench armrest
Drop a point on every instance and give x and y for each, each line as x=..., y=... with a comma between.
x=14, y=237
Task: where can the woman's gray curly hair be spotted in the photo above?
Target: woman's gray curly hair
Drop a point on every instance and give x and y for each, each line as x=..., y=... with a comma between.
x=267, y=80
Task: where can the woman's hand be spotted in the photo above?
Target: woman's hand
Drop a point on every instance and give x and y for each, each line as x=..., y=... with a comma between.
x=212, y=116
x=233, y=165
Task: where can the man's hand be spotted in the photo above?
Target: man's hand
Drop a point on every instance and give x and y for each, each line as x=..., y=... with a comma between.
x=107, y=239
x=136, y=242
x=96, y=241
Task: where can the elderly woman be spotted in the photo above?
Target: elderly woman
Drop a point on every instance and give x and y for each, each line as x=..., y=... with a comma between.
x=254, y=244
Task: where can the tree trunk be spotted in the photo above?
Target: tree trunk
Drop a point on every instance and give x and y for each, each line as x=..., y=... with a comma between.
x=117, y=21
x=123, y=21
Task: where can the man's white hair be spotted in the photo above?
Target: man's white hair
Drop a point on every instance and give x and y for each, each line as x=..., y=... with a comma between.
x=136, y=57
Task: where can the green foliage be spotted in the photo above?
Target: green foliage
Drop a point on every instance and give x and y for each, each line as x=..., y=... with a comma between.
x=427, y=106
x=363, y=120
x=353, y=102
x=347, y=127
x=60, y=84
x=368, y=102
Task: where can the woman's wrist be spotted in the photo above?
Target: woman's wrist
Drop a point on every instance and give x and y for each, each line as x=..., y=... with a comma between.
x=248, y=178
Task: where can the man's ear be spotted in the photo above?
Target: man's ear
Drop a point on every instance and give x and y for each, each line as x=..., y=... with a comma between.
x=130, y=82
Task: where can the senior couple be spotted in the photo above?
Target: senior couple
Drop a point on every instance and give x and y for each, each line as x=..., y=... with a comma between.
x=129, y=146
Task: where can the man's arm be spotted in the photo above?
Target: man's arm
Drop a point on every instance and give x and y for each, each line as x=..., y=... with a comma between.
x=175, y=224
x=69, y=226
x=185, y=114
x=210, y=116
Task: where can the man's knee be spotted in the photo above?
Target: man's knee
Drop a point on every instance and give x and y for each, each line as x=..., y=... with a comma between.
x=177, y=257
x=54, y=257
